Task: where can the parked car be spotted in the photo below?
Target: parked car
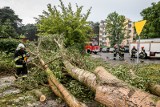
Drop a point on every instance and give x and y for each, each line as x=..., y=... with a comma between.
x=126, y=49
x=105, y=49
x=111, y=50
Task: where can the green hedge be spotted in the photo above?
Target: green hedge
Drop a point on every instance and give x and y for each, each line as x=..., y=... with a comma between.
x=6, y=63
x=8, y=45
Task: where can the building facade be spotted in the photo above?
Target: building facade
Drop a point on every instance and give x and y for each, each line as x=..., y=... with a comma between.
x=129, y=32
x=103, y=37
x=128, y=37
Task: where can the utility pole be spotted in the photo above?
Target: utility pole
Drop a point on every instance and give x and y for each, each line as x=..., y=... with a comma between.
x=139, y=26
x=138, y=48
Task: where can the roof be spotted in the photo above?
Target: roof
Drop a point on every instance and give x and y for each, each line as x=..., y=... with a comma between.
x=150, y=40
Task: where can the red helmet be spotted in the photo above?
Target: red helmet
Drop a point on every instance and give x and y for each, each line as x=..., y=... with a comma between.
x=115, y=46
x=122, y=45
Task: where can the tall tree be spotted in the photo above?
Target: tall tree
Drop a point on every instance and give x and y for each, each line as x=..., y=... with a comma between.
x=95, y=27
x=73, y=24
x=94, y=33
x=30, y=31
x=152, y=27
x=9, y=22
x=115, y=28
x=7, y=30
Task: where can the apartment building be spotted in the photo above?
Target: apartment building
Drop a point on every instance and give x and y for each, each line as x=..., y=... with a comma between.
x=103, y=39
x=129, y=33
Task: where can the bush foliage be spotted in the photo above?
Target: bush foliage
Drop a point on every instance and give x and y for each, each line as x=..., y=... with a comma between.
x=6, y=63
x=8, y=45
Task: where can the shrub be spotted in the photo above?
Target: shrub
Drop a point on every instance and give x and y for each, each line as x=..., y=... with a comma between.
x=6, y=64
x=8, y=45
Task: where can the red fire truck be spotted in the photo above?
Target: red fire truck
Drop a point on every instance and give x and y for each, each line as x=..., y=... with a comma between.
x=91, y=48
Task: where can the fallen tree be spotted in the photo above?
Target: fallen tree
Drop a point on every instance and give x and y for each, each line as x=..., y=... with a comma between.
x=153, y=88
x=39, y=95
x=63, y=92
x=115, y=92
x=55, y=85
x=109, y=90
x=84, y=76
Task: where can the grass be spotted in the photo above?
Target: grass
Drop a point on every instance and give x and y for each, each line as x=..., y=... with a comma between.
x=6, y=63
x=147, y=73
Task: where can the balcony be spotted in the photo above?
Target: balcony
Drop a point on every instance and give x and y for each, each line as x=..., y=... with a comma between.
x=104, y=41
x=100, y=39
x=104, y=36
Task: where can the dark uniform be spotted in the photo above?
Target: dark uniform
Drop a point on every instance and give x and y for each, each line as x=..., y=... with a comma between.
x=133, y=52
x=121, y=53
x=142, y=53
x=20, y=58
x=115, y=52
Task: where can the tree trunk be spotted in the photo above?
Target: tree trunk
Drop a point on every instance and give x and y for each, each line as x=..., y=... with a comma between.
x=115, y=93
x=155, y=89
x=111, y=91
x=54, y=89
x=40, y=95
x=63, y=92
x=86, y=77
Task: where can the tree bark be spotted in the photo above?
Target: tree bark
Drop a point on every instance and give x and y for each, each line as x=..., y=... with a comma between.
x=54, y=89
x=154, y=89
x=63, y=92
x=86, y=77
x=115, y=93
x=40, y=95
x=111, y=91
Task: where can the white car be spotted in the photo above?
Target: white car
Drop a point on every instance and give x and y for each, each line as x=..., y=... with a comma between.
x=111, y=49
x=104, y=49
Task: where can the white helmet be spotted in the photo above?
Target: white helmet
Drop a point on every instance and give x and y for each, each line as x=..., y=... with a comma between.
x=20, y=46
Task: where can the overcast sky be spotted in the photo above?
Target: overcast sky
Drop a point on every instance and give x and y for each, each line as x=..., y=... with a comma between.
x=27, y=9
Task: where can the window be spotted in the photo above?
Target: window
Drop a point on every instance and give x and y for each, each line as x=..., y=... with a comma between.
x=129, y=25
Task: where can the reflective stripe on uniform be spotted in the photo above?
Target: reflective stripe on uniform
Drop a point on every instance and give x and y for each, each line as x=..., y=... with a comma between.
x=24, y=76
x=24, y=55
x=16, y=75
x=19, y=66
x=17, y=58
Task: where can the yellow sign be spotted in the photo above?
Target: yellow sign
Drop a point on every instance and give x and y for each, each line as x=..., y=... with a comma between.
x=139, y=26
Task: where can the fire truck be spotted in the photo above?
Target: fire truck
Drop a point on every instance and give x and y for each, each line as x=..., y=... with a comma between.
x=92, y=48
x=151, y=46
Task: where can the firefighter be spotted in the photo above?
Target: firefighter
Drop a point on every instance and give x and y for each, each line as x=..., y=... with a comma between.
x=142, y=53
x=121, y=52
x=20, y=58
x=133, y=52
x=115, y=52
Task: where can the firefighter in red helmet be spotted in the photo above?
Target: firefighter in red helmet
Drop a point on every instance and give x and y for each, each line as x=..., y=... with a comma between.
x=115, y=52
x=133, y=52
x=142, y=53
x=121, y=52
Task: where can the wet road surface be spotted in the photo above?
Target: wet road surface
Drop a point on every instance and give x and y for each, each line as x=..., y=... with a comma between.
x=109, y=57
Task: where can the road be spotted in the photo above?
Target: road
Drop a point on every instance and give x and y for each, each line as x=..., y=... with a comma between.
x=109, y=57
